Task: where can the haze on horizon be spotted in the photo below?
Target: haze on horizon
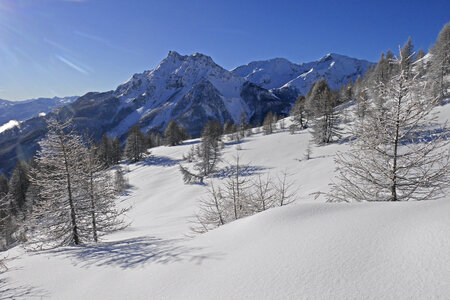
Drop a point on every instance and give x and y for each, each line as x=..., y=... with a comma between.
x=69, y=47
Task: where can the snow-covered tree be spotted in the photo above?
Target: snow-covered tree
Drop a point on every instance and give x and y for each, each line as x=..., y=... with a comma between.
x=399, y=153
x=320, y=104
x=76, y=197
x=262, y=196
x=205, y=155
x=440, y=63
x=59, y=218
x=212, y=211
x=285, y=191
x=100, y=194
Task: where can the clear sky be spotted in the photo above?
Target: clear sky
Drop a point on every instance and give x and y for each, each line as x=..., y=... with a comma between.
x=70, y=47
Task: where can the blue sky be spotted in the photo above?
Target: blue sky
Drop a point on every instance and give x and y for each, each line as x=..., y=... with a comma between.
x=70, y=47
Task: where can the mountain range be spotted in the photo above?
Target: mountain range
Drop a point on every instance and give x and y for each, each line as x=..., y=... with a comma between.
x=190, y=89
x=27, y=109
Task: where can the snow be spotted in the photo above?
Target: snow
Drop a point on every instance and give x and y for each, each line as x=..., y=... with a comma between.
x=306, y=250
x=277, y=73
x=11, y=124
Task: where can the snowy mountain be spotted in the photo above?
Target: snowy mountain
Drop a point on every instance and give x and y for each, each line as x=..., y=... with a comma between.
x=23, y=110
x=281, y=73
x=190, y=89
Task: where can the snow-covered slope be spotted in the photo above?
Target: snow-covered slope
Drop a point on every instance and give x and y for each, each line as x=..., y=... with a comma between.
x=306, y=250
x=23, y=110
x=278, y=73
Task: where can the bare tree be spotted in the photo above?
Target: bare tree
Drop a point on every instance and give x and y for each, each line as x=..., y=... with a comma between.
x=212, y=211
x=285, y=191
x=399, y=153
x=55, y=220
x=262, y=195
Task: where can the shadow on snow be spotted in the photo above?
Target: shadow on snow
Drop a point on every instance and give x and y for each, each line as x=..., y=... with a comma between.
x=134, y=252
x=161, y=161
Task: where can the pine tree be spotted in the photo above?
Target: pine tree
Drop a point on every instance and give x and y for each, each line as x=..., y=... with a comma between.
x=135, y=146
x=398, y=153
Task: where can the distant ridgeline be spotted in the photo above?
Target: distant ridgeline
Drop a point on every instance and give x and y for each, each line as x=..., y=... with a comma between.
x=189, y=89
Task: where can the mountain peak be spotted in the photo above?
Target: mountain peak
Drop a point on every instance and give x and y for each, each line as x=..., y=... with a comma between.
x=173, y=53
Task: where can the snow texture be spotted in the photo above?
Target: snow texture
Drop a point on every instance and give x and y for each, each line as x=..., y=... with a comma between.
x=306, y=250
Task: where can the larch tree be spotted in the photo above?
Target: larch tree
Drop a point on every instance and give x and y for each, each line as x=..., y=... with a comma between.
x=298, y=112
x=398, y=153
x=135, y=146
x=18, y=186
x=173, y=134
x=320, y=104
x=3, y=185
x=100, y=194
x=205, y=156
x=58, y=218
x=440, y=63
x=268, y=123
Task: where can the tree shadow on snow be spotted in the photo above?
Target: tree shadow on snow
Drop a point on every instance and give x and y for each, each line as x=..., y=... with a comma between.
x=161, y=161
x=134, y=252
x=10, y=290
x=244, y=171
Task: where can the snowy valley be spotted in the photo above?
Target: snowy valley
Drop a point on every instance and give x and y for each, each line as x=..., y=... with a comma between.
x=308, y=249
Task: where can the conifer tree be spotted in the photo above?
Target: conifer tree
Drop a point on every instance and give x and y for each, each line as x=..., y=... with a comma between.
x=398, y=154
x=99, y=193
x=3, y=185
x=298, y=112
x=58, y=219
x=18, y=185
x=204, y=156
x=320, y=104
x=116, y=151
x=135, y=145
x=440, y=63
x=173, y=134
x=268, y=123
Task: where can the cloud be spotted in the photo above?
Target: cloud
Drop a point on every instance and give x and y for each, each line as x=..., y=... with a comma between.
x=72, y=65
